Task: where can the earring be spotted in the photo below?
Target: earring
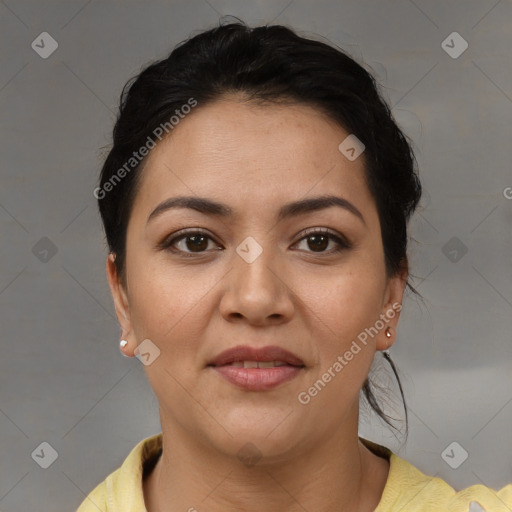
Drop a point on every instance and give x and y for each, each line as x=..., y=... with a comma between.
x=123, y=344
x=388, y=335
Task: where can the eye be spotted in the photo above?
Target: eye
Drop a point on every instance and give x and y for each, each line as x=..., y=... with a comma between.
x=192, y=242
x=318, y=240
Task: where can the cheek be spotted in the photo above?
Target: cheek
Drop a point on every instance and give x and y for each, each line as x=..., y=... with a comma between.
x=359, y=296
x=346, y=304
x=169, y=309
x=168, y=305
x=340, y=306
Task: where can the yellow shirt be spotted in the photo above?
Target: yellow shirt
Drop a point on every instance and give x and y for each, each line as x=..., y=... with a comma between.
x=407, y=489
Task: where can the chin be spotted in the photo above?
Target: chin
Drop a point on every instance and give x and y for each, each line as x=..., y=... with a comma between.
x=269, y=430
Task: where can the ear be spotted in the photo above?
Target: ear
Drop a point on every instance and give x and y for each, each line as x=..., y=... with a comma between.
x=392, y=306
x=121, y=304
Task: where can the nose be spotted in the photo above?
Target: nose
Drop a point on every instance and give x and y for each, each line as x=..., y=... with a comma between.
x=257, y=292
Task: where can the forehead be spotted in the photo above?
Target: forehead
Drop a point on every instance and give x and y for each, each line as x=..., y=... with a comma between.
x=238, y=150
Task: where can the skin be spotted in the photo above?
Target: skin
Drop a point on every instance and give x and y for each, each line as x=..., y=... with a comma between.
x=293, y=295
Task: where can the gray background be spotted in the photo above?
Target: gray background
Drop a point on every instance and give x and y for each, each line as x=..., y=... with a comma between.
x=62, y=378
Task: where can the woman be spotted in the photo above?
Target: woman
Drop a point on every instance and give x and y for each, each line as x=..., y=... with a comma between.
x=255, y=203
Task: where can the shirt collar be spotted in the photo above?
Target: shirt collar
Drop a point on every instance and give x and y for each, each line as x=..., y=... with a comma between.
x=125, y=490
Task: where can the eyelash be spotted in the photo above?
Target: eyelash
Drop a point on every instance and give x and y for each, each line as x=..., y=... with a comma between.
x=167, y=243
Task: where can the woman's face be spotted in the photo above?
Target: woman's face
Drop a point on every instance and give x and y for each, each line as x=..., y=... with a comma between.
x=255, y=277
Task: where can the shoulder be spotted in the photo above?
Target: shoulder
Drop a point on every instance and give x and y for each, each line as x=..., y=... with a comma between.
x=483, y=499
x=122, y=490
x=96, y=500
x=409, y=489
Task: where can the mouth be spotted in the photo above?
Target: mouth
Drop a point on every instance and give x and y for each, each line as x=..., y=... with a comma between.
x=243, y=355
x=257, y=364
x=257, y=369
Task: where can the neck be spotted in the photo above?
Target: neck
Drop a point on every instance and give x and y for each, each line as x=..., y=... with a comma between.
x=340, y=474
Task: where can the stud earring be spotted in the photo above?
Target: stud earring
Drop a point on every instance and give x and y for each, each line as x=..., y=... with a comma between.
x=388, y=336
x=123, y=344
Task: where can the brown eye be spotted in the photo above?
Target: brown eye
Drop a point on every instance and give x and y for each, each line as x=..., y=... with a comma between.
x=196, y=243
x=318, y=241
x=188, y=243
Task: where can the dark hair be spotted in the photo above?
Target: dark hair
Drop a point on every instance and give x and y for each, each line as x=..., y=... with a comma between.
x=266, y=64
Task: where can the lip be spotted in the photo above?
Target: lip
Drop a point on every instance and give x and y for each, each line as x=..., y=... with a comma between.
x=247, y=353
x=257, y=379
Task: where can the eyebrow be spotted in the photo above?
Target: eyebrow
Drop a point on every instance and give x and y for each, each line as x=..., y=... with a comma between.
x=210, y=207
